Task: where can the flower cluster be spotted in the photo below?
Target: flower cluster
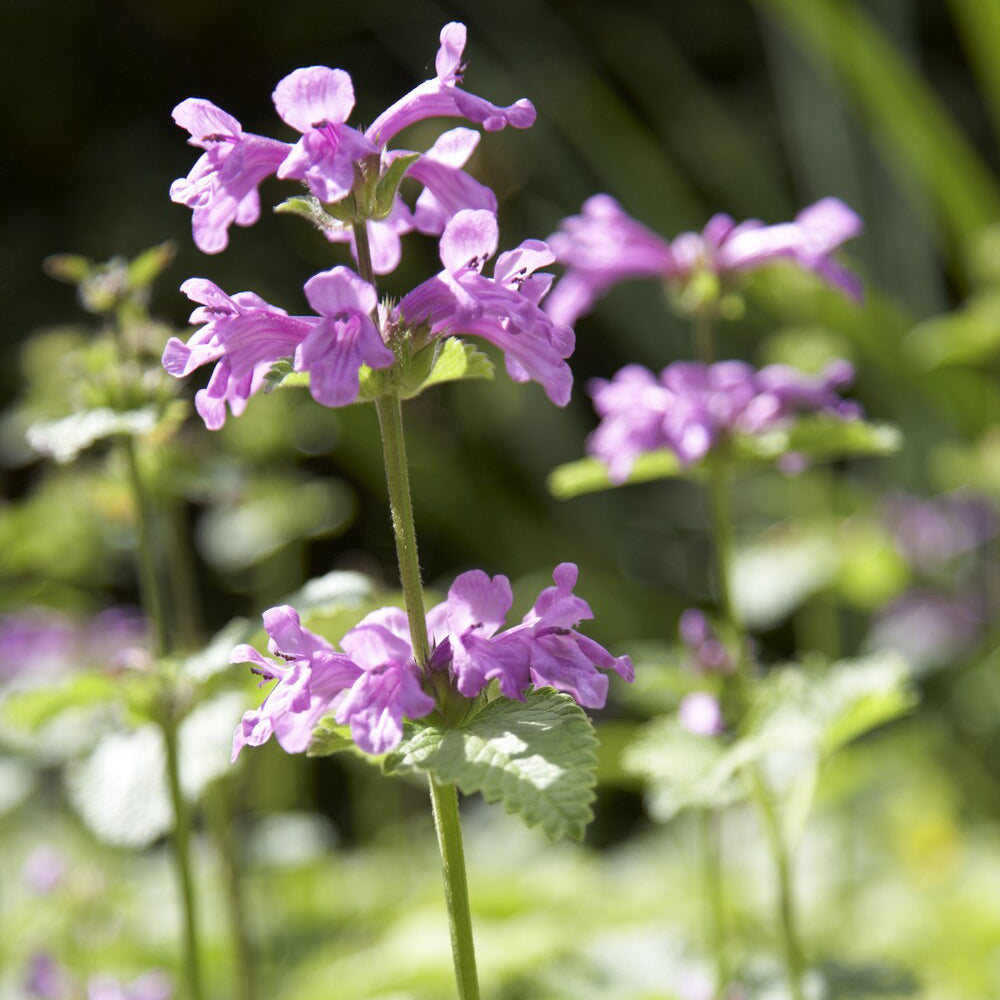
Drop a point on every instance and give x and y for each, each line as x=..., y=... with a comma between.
x=316, y=101
x=244, y=336
x=376, y=682
x=604, y=245
x=689, y=407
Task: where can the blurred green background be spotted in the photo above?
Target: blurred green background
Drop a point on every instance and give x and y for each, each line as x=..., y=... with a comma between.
x=679, y=109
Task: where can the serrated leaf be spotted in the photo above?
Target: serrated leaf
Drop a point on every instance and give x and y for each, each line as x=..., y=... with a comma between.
x=388, y=184
x=120, y=789
x=450, y=361
x=64, y=439
x=537, y=758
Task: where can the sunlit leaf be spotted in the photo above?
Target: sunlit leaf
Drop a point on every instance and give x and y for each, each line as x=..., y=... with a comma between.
x=64, y=439
x=816, y=437
x=536, y=757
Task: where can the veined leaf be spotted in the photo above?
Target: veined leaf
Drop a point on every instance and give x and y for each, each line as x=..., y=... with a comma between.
x=536, y=757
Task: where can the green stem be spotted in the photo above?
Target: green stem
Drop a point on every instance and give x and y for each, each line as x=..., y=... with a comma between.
x=152, y=597
x=390, y=418
x=182, y=853
x=794, y=963
x=721, y=522
x=220, y=819
x=712, y=874
x=444, y=799
x=154, y=605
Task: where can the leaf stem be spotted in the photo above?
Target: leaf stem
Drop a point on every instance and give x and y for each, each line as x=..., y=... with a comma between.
x=444, y=799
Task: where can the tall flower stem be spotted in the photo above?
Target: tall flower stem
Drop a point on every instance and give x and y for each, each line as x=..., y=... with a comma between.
x=154, y=604
x=721, y=518
x=449, y=830
x=444, y=798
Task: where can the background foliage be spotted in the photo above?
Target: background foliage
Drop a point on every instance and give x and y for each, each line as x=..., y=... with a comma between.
x=680, y=109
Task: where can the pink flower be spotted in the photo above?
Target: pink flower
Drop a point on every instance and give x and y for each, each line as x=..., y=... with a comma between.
x=222, y=185
x=316, y=101
x=503, y=309
x=604, y=246
x=442, y=97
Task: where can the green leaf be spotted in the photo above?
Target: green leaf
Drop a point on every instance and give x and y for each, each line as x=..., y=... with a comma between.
x=72, y=268
x=536, y=757
x=388, y=184
x=588, y=475
x=335, y=217
x=818, y=437
x=147, y=267
x=967, y=336
x=329, y=738
x=64, y=439
x=31, y=709
x=684, y=770
x=778, y=572
x=449, y=360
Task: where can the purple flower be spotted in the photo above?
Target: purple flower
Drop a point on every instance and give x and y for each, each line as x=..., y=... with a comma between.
x=503, y=309
x=376, y=683
x=561, y=657
x=343, y=340
x=389, y=686
x=38, y=642
x=370, y=688
x=310, y=683
x=316, y=101
x=699, y=713
x=152, y=985
x=930, y=532
x=245, y=336
x=442, y=97
x=447, y=190
x=45, y=978
x=708, y=653
x=222, y=185
x=689, y=407
x=44, y=869
x=604, y=246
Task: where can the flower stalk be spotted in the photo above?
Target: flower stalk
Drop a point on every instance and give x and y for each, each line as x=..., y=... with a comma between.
x=444, y=798
x=721, y=519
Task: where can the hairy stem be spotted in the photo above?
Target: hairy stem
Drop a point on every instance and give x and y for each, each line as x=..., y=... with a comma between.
x=444, y=798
